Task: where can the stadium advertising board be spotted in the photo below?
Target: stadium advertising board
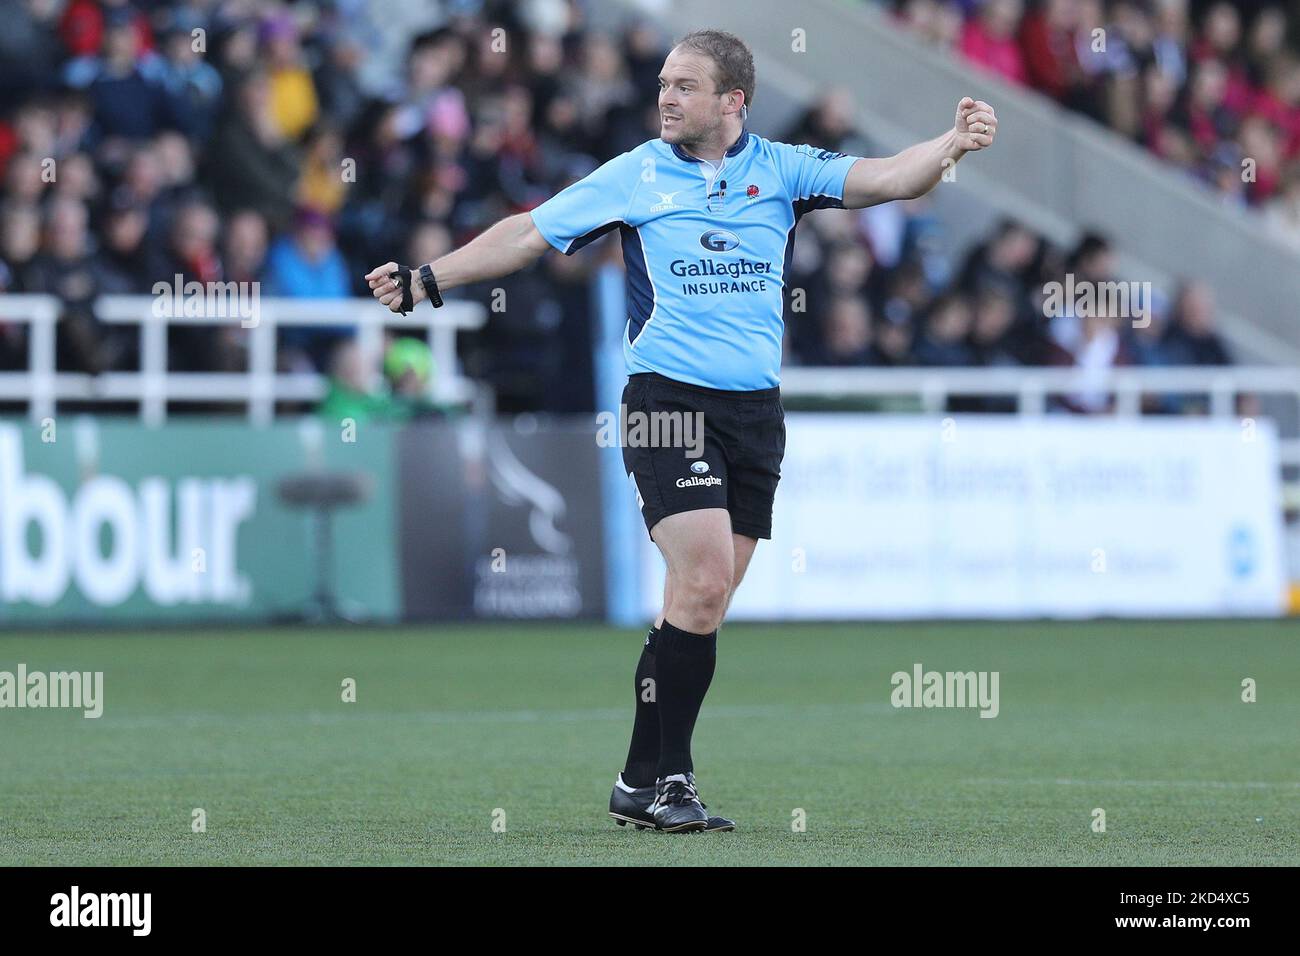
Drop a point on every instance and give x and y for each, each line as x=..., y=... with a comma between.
x=502, y=522
x=108, y=521
x=105, y=520
x=989, y=516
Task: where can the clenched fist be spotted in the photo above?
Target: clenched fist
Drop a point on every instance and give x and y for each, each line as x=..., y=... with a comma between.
x=384, y=287
x=976, y=125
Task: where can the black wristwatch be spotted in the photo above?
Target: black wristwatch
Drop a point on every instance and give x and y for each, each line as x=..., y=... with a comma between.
x=430, y=286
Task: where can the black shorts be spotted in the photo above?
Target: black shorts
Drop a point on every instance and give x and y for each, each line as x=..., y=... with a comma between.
x=729, y=456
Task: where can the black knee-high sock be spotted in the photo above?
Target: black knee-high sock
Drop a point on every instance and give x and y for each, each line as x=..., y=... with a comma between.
x=684, y=665
x=643, y=752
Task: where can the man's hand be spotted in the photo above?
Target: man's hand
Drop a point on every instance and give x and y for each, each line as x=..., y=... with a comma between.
x=507, y=247
x=918, y=169
x=384, y=287
x=976, y=125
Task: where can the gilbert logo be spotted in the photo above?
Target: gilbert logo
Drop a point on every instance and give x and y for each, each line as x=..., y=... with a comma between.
x=695, y=481
x=102, y=909
x=665, y=201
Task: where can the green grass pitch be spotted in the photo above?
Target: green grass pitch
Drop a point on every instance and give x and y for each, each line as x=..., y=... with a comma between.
x=456, y=726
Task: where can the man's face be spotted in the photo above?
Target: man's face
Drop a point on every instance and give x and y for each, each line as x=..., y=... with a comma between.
x=690, y=108
x=120, y=44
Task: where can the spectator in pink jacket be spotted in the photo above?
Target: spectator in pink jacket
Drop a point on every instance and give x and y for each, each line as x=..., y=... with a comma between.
x=989, y=40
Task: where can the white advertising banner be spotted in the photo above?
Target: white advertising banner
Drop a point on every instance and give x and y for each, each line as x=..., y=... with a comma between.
x=1000, y=516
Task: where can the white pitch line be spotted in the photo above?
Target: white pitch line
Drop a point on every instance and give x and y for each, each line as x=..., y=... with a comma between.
x=1210, y=784
x=322, y=718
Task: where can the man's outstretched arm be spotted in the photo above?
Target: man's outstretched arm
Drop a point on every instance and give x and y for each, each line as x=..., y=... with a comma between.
x=918, y=169
x=507, y=247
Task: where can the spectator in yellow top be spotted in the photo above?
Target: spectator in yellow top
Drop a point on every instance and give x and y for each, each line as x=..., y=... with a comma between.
x=293, y=93
x=322, y=186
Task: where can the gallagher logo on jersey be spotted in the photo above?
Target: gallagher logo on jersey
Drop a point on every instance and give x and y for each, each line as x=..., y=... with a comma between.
x=719, y=240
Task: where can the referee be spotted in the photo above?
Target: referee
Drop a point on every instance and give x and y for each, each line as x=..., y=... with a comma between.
x=707, y=215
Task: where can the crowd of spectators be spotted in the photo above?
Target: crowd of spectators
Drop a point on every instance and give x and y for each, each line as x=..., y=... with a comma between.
x=1210, y=86
x=875, y=289
x=878, y=287
x=299, y=144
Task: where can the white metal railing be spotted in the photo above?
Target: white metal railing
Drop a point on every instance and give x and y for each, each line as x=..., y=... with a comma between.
x=1031, y=386
x=42, y=387
x=261, y=386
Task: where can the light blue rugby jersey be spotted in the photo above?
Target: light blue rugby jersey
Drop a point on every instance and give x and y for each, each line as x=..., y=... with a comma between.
x=705, y=266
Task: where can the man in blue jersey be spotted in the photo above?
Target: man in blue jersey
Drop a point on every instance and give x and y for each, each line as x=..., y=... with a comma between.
x=707, y=215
